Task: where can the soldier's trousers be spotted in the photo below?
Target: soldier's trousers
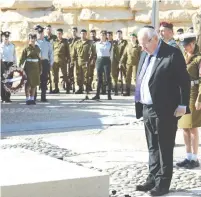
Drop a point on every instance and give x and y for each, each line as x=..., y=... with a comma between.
x=115, y=72
x=130, y=71
x=44, y=78
x=103, y=66
x=55, y=69
x=4, y=94
x=91, y=73
x=82, y=72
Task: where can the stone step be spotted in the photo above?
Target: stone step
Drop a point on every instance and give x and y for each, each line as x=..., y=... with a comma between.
x=28, y=174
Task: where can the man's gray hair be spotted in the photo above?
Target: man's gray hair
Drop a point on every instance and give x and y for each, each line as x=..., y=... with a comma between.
x=149, y=32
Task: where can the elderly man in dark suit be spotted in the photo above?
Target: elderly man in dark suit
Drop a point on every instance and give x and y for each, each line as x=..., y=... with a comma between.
x=161, y=97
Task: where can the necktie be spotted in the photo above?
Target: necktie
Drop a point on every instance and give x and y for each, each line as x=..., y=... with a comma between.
x=140, y=78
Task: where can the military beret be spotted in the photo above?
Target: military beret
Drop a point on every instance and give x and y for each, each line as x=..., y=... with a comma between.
x=149, y=27
x=60, y=30
x=49, y=26
x=119, y=31
x=167, y=25
x=5, y=33
x=133, y=34
x=84, y=30
x=187, y=38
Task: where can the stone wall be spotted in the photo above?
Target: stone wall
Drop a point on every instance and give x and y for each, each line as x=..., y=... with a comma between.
x=19, y=16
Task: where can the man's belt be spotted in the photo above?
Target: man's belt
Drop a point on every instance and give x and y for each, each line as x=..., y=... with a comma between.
x=32, y=60
x=194, y=82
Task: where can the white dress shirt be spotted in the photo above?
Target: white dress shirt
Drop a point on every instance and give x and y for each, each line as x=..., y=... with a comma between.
x=144, y=90
x=8, y=53
x=103, y=49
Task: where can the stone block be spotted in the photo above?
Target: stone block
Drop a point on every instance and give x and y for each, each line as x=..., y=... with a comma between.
x=38, y=175
x=173, y=16
x=78, y=4
x=25, y=4
x=105, y=14
x=137, y=5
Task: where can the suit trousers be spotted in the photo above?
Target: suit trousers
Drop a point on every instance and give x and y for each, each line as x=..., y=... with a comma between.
x=103, y=66
x=160, y=135
x=44, y=77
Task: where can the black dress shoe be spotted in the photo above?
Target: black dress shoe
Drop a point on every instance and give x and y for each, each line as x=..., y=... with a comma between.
x=156, y=191
x=183, y=163
x=32, y=102
x=55, y=91
x=28, y=102
x=96, y=97
x=192, y=164
x=145, y=187
x=8, y=101
x=44, y=100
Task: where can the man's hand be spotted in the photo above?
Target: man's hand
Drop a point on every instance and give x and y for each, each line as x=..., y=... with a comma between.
x=180, y=111
x=197, y=105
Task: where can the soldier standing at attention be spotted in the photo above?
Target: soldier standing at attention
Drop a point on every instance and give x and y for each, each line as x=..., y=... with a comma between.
x=83, y=54
x=61, y=58
x=166, y=33
x=73, y=65
x=131, y=58
x=47, y=60
x=32, y=67
x=48, y=34
x=121, y=45
x=8, y=58
x=190, y=122
x=93, y=39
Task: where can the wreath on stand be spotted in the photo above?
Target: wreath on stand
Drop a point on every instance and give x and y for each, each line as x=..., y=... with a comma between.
x=9, y=79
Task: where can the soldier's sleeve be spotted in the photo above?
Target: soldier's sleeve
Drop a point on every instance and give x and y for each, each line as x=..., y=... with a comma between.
x=50, y=54
x=93, y=52
x=23, y=58
x=199, y=91
x=74, y=52
x=67, y=50
x=116, y=53
x=123, y=59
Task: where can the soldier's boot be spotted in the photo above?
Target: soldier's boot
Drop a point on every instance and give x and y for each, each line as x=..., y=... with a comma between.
x=116, y=90
x=97, y=96
x=35, y=95
x=109, y=95
x=43, y=97
x=68, y=88
x=56, y=90
x=79, y=91
x=7, y=98
x=127, y=92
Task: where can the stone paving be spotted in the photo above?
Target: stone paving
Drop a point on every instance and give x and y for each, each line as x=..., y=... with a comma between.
x=114, y=143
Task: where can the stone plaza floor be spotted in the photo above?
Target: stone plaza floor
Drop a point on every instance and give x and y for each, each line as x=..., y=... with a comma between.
x=102, y=136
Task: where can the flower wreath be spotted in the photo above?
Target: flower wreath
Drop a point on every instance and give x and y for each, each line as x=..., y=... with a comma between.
x=8, y=85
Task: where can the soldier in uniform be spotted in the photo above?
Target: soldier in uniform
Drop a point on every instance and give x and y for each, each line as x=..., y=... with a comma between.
x=61, y=58
x=131, y=58
x=121, y=45
x=166, y=33
x=93, y=39
x=180, y=31
x=47, y=60
x=32, y=66
x=73, y=65
x=191, y=30
x=49, y=36
x=190, y=122
x=82, y=53
x=8, y=58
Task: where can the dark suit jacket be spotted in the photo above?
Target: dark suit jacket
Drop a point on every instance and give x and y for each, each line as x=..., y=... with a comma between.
x=169, y=84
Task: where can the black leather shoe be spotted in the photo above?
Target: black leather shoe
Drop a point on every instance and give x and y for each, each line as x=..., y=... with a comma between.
x=156, y=191
x=32, y=102
x=55, y=91
x=96, y=97
x=8, y=101
x=28, y=102
x=44, y=100
x=192, y=164
x=145, y=187
x=79, y=91
x=183, y=163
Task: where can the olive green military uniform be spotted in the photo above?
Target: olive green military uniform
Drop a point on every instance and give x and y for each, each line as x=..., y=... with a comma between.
x=61, y=58
x=71, y=43
x=82, y=53
x=92, y=64
x=121, y=45
x=130, y=58
x=193, y=120
x=51, y=39
x=32, y=69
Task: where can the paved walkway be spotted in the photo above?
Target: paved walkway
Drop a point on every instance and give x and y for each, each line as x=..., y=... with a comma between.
x=103, y=136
